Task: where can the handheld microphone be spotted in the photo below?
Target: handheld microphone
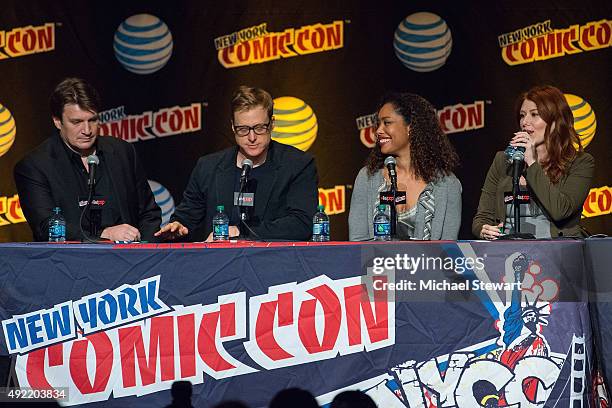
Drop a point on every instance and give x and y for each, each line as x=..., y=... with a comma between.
x=390, y=164
x=92, y=161
x=247, y=165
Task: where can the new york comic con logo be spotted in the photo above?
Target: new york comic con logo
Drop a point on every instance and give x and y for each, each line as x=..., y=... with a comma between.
x=149, y=125
x=127, y=341
x=255, y=45
x=539, y=41
x=28, y=40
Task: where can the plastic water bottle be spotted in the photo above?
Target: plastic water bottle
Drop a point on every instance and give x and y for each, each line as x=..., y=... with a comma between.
x=220, y=225
x=57, y=226
x=382, y=224
x=320, y=226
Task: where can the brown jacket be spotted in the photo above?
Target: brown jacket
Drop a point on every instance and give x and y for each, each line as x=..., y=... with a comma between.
x=561, y=202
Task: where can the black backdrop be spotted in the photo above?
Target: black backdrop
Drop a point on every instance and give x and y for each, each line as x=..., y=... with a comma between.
x=43, y=42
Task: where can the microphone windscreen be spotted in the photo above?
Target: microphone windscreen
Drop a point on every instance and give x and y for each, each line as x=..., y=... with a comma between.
x=390, y=160
x=93, y=159
x=515, y=153
x=247, y=162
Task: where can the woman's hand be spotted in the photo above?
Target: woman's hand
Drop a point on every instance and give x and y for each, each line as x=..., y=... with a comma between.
x=491, y=232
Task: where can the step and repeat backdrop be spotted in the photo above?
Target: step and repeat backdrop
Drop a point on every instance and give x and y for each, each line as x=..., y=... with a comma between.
x=166, y=71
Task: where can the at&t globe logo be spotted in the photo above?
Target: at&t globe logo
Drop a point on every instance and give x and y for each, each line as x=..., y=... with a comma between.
x=163, y=199
x=143, y=44
x=295, y=123
x=585, y=123
x=423, y=42
x=8, y=130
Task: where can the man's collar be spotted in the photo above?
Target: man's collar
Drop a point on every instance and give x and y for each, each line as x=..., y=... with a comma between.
x=73, y=153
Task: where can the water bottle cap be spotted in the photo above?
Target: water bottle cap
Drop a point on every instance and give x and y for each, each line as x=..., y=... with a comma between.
x=381, y=207
x=220, y=208
x=57, y=210
x=321, y=208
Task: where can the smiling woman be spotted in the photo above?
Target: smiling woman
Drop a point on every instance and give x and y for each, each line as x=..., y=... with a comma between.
x=555, y=180
x=408, y=129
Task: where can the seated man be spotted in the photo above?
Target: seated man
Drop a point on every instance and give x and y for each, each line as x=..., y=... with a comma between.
x=283, y=181
x=56, y=174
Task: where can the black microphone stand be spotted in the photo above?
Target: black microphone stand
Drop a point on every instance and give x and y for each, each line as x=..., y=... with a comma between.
x=517, y=167
x=241, y=208
x=393, y=212
x=243, y=214
x=87, y=237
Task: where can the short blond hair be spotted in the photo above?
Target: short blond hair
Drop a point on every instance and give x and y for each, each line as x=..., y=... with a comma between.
x=248, y=97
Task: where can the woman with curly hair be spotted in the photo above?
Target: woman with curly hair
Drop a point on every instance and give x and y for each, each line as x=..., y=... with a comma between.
x=556, y=178
x=409, y=130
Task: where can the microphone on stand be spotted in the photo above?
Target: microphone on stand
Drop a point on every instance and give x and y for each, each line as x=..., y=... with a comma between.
x=391, y=197
x=516, y=156
x=244, y=200
x=92, y=161
x=94, y=215
x=247, y=165
x=390, y=165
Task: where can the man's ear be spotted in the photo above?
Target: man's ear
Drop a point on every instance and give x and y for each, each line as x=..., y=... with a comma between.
x=57, y=122
x=271, y=123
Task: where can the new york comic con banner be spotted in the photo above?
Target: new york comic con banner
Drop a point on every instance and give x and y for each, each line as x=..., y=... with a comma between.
x=417, y=325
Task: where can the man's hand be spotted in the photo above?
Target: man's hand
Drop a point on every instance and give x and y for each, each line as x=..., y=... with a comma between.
x=233, y=233
x=122, y=232
x=172, y=230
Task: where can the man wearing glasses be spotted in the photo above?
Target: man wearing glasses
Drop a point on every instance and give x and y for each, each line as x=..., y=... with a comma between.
x=282, y=182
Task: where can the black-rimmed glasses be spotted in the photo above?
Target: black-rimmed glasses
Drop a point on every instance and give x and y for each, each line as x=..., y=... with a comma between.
x=258, y=129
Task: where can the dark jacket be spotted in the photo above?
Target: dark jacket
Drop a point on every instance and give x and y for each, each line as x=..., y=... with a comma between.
x=45, y=180
x=561, y=202
x=285, y=200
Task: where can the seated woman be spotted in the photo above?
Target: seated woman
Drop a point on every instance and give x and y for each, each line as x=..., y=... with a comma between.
x=556, y=178
x=409, y=130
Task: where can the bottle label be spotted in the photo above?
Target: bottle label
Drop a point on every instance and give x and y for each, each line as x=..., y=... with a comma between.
x=320, y=228
x=382, y=229
x=220, y=232
x=57, y=231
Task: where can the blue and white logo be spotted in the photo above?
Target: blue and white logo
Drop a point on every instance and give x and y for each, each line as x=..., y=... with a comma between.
x=163, y=199
x=143, y=44
x=423, y=42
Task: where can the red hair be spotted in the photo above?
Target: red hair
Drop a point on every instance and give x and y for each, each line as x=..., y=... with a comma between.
x=560, y=135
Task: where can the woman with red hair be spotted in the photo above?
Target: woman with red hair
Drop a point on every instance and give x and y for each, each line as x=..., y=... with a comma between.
x=555, y=180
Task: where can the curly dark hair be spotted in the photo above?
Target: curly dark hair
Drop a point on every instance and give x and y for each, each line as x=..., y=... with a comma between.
x=431, y=153
x=560, y=138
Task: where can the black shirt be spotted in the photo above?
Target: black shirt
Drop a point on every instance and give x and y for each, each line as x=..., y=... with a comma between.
x=107, y=210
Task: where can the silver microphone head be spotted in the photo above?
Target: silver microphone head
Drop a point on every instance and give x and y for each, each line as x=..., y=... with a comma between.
x=247, y=162
x=519, y=154
x=390, y=160
x=93, y=159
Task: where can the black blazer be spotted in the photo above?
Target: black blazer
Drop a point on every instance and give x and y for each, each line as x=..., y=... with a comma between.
x=44, y=180
x=285, y=201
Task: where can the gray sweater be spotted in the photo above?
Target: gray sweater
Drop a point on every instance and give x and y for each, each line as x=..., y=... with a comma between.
x=447, y=213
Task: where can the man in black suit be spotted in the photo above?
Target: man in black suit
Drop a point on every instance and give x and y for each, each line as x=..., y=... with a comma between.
x=56, y=174
x=283, y=181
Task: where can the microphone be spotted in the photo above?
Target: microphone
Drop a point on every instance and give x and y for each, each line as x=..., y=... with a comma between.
x=92, y=162
x=247, y=165
x=390, y=164
x=515, y=153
